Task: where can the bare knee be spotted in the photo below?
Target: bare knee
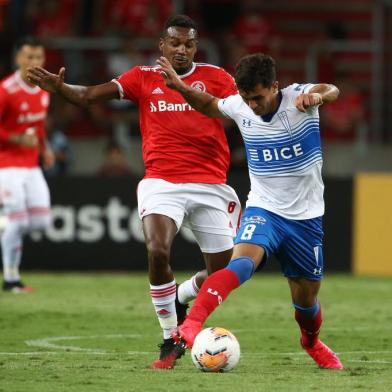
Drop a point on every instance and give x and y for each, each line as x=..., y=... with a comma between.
x=303, y=291
x=158, y=254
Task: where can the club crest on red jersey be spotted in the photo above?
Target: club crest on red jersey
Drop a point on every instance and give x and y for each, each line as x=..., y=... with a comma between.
x=198, y=85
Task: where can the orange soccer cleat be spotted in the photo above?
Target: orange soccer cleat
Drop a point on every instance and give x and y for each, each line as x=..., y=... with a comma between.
x=187, y=332
x=323, y=356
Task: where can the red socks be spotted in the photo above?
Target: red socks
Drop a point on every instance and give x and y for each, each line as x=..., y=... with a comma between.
x=310, y=328
x=218, y=286
x=213, y=292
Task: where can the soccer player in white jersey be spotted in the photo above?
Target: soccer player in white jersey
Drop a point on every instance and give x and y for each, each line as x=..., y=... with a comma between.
x=24, y=194
x=285, y=204
x=186, y=158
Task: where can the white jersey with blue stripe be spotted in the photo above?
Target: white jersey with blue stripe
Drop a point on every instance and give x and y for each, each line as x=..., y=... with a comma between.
x=284, y=155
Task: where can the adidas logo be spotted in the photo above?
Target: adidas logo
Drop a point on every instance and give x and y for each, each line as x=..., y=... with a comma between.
x=157, y=91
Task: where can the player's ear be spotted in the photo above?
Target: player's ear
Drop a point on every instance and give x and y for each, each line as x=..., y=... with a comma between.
x=160, y=44
x=275, y=85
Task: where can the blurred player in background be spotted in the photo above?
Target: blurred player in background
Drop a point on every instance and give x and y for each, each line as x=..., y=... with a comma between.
x=285, y=205
x=186, y=158
x=24, y=194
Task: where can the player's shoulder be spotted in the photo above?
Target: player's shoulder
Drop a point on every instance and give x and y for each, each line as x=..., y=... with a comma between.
x=9, y=84
x=297, y=88
x=140, y=71
x=207, y=65
x=209, y=68
x=148, y=68
x=232, y=103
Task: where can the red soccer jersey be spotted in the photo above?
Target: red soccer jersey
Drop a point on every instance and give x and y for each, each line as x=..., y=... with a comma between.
x=22, y=108
x=179, y=143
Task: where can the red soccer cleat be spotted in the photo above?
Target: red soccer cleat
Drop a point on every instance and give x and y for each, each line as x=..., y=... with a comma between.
x=187, y=332
x=169, y=353
x=323, y=356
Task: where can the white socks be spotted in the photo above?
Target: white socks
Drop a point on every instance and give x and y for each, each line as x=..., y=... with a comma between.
x=163, y=298
x=11, y=246
x=188, y=290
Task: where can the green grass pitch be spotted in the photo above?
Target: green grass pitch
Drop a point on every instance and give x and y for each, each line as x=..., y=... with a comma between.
x=97, y=332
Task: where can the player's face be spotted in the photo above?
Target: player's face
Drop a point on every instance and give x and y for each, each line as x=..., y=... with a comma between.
x=262, y=100
x=29, y=56
x=179, y=47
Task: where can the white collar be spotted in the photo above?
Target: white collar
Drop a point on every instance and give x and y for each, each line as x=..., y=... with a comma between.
x=24, y=86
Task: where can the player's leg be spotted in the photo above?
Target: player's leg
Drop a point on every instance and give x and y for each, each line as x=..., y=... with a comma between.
x=187, y=292
x=161, y=209
x=217, y=250
x=308, y=316
x=14, y=206
x=301, y=259
x=307, y=308
x=213, y=216
x=216, y=288
x=38, y=201
x=159, y=232
x=253, y=242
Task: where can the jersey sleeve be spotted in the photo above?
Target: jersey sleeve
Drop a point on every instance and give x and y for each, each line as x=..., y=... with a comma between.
x=228, y=84
x=296, y=89
x=303, y=88
x=129, y=84
x=227, y=106
x=4, y=135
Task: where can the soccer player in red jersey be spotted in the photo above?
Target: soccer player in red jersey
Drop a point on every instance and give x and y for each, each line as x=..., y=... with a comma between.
x=24, y=194
x=186, y=158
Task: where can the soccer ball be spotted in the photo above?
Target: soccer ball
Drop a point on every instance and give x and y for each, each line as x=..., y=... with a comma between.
x=215, y=350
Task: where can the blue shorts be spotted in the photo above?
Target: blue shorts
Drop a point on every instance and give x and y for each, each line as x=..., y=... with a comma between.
x=297, y=244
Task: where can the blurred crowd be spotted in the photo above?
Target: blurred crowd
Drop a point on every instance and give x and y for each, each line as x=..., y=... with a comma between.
x=236, y=28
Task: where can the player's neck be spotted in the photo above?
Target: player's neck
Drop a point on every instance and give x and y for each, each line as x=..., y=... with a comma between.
x=23, y=76
x=275, y=103
x=184, y=71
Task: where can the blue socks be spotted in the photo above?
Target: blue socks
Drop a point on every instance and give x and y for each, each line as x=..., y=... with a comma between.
x=243, y=267
x=308, y=313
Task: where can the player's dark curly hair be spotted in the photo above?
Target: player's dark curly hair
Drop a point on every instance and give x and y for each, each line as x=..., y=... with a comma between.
x=179, y=21
x=28, y=40
x=255, y=69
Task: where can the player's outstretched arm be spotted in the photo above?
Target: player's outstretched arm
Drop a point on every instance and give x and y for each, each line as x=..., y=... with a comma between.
x=78, y=95
x=202, y=102
x=317, y=95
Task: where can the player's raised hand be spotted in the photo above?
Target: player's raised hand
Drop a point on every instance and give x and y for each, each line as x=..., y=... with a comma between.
x=46, y=80
x=28, y=140
x=305, y=101
x=168, y=73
